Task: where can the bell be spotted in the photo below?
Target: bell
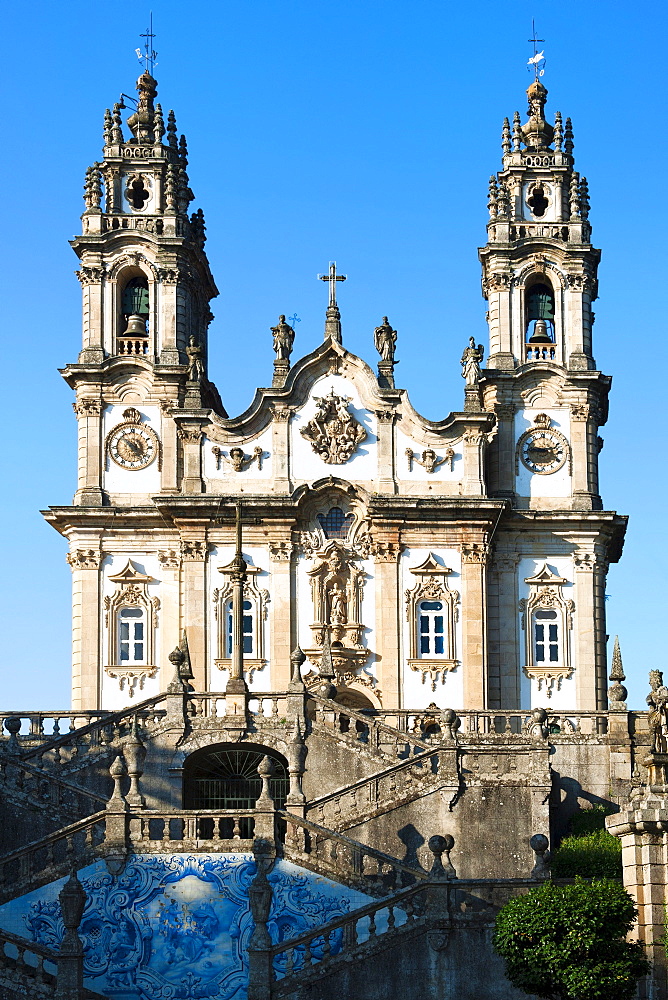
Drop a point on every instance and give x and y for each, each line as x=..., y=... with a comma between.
x=136, y=326
x=540, y=334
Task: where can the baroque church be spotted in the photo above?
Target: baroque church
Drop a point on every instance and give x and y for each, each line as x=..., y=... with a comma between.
x=338, y=670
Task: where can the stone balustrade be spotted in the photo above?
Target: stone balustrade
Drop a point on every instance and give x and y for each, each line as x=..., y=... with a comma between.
x=216, y=830
x=213, y=705
x=31, y=783
x=136, y=346
x=367, y=729
x=540, y=352
x=44, y=860
x=325, y=851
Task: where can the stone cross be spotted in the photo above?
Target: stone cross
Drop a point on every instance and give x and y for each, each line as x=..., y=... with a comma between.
x=332, y=278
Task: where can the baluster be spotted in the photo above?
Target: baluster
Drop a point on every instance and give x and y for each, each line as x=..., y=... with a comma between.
x=508, y=729
x=333, y=851
x=39, y=971
x=409, y=909
x=308, y=959
x=289, y=961
x=260, y=708
x=391, y=919
x=20, y=959
x=236, y=832
x=50, y=856
x=326, y=948
x=372, y=924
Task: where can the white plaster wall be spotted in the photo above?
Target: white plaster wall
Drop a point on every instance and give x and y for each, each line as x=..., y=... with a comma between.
x=557, y=484
x=117, y=479
x=113, y=697
x=416, y=694
x=223, y=556
x=226, y=472
x=530, y=696
x=418, y=473
x=306, y=466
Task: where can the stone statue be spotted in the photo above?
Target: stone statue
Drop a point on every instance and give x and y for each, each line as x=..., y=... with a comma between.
x=385, y=340
x=657, y=718
x=284, y=338
x=470, y=362
x=338, y=609
x=195, y=360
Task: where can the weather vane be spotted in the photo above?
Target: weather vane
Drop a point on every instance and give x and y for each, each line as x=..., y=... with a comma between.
x=537, y=57
x=293, y=319
x=149, y=55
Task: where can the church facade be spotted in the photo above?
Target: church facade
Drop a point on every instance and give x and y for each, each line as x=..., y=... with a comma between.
x=339, y=670
x=459, y=561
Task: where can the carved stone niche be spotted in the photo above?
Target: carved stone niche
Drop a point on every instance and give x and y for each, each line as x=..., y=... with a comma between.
x=131, y=594
x=336, y=590
x=432, y=585
x=546, y=595
x=259, y=600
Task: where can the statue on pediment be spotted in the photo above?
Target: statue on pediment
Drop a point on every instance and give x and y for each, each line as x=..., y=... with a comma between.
x=334, y=432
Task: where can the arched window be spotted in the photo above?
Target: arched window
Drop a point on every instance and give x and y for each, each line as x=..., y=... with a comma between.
x=226, y=777
x=540, y=314
x=335, y=523
x=247, y=628
x=132, y=635
x=135, y=314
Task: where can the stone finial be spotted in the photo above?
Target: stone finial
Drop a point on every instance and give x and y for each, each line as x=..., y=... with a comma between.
x=297, y=658
x=170, y=190
x=177, y=685
x=439, y=846
x=107, y=127
x=158, y=125
x=118, y=771
x=503, y=201
x=117, y=125
x=259, y=897
x=505, y=137
x=617, y=692
x=198, y=228
x=517, y=132
x=266, y=769
x=140, y=122
x=574, y=196
x=326, y=688
x=568, y=137
x=492, y=200
x=72, y=898
x=537, y=133
x=134, y=753
x=171, y=130
x=558, y=132
x=183, y=151
x=450, y=723
x=539, y=845
x=536, y=726
x=583, y=193
x=13, y=727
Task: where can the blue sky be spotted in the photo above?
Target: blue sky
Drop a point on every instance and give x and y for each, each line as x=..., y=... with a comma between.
x=362, y=132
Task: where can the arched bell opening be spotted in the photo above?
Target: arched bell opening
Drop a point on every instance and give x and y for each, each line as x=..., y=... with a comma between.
x=539, y=326
x=226, y=776
x=134, y=317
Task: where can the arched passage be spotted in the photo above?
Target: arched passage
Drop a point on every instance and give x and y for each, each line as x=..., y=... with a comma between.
x=225, y=776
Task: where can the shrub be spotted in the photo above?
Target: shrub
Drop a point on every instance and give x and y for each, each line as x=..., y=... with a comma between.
x=590, y=850
x=568, y=942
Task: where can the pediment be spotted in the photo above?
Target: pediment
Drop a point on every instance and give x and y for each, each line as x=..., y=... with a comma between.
x=544, y=576
x=430, y=567
x=130, y=574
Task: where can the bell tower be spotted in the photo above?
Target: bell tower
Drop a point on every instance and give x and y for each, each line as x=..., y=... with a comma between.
x=146, y=286
x=539, y=276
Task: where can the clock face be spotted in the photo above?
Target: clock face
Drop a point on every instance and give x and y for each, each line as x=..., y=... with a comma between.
x=133, y=447
x=543, y=450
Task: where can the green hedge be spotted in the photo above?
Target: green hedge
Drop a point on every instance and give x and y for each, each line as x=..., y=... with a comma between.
x=590, y=850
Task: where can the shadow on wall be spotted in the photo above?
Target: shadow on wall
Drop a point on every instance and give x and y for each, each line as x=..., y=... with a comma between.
x=568, y=797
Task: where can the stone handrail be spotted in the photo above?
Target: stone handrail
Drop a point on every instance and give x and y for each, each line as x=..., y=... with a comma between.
x=206, y=704
x=370, y=869
x=98, y=726
x=22, y=868
x=494, y=722
x=339, y=936
x=369, y=729
x=361, y=799
x=38, y=973
x=36, y=778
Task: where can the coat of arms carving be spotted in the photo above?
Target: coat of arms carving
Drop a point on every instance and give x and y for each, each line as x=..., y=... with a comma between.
x=334, y=432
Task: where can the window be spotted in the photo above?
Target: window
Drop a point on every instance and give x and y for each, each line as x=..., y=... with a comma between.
x=131, y=635
x=335, y=523
x=247, y=628
x=546, y=637
x=431, y=619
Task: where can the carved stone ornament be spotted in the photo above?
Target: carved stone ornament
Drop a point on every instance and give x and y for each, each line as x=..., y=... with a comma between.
x=131, y=592
x=87, y=407
x=432, y=586
x=83, y=559
x=546, y=594
x=336, y=590
x=429, y=459
x=193, y=550
x=542, y=449
x=236, y=459
x=334, y=432
x=258, y=612
x=280, y=551
x=169, y=558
